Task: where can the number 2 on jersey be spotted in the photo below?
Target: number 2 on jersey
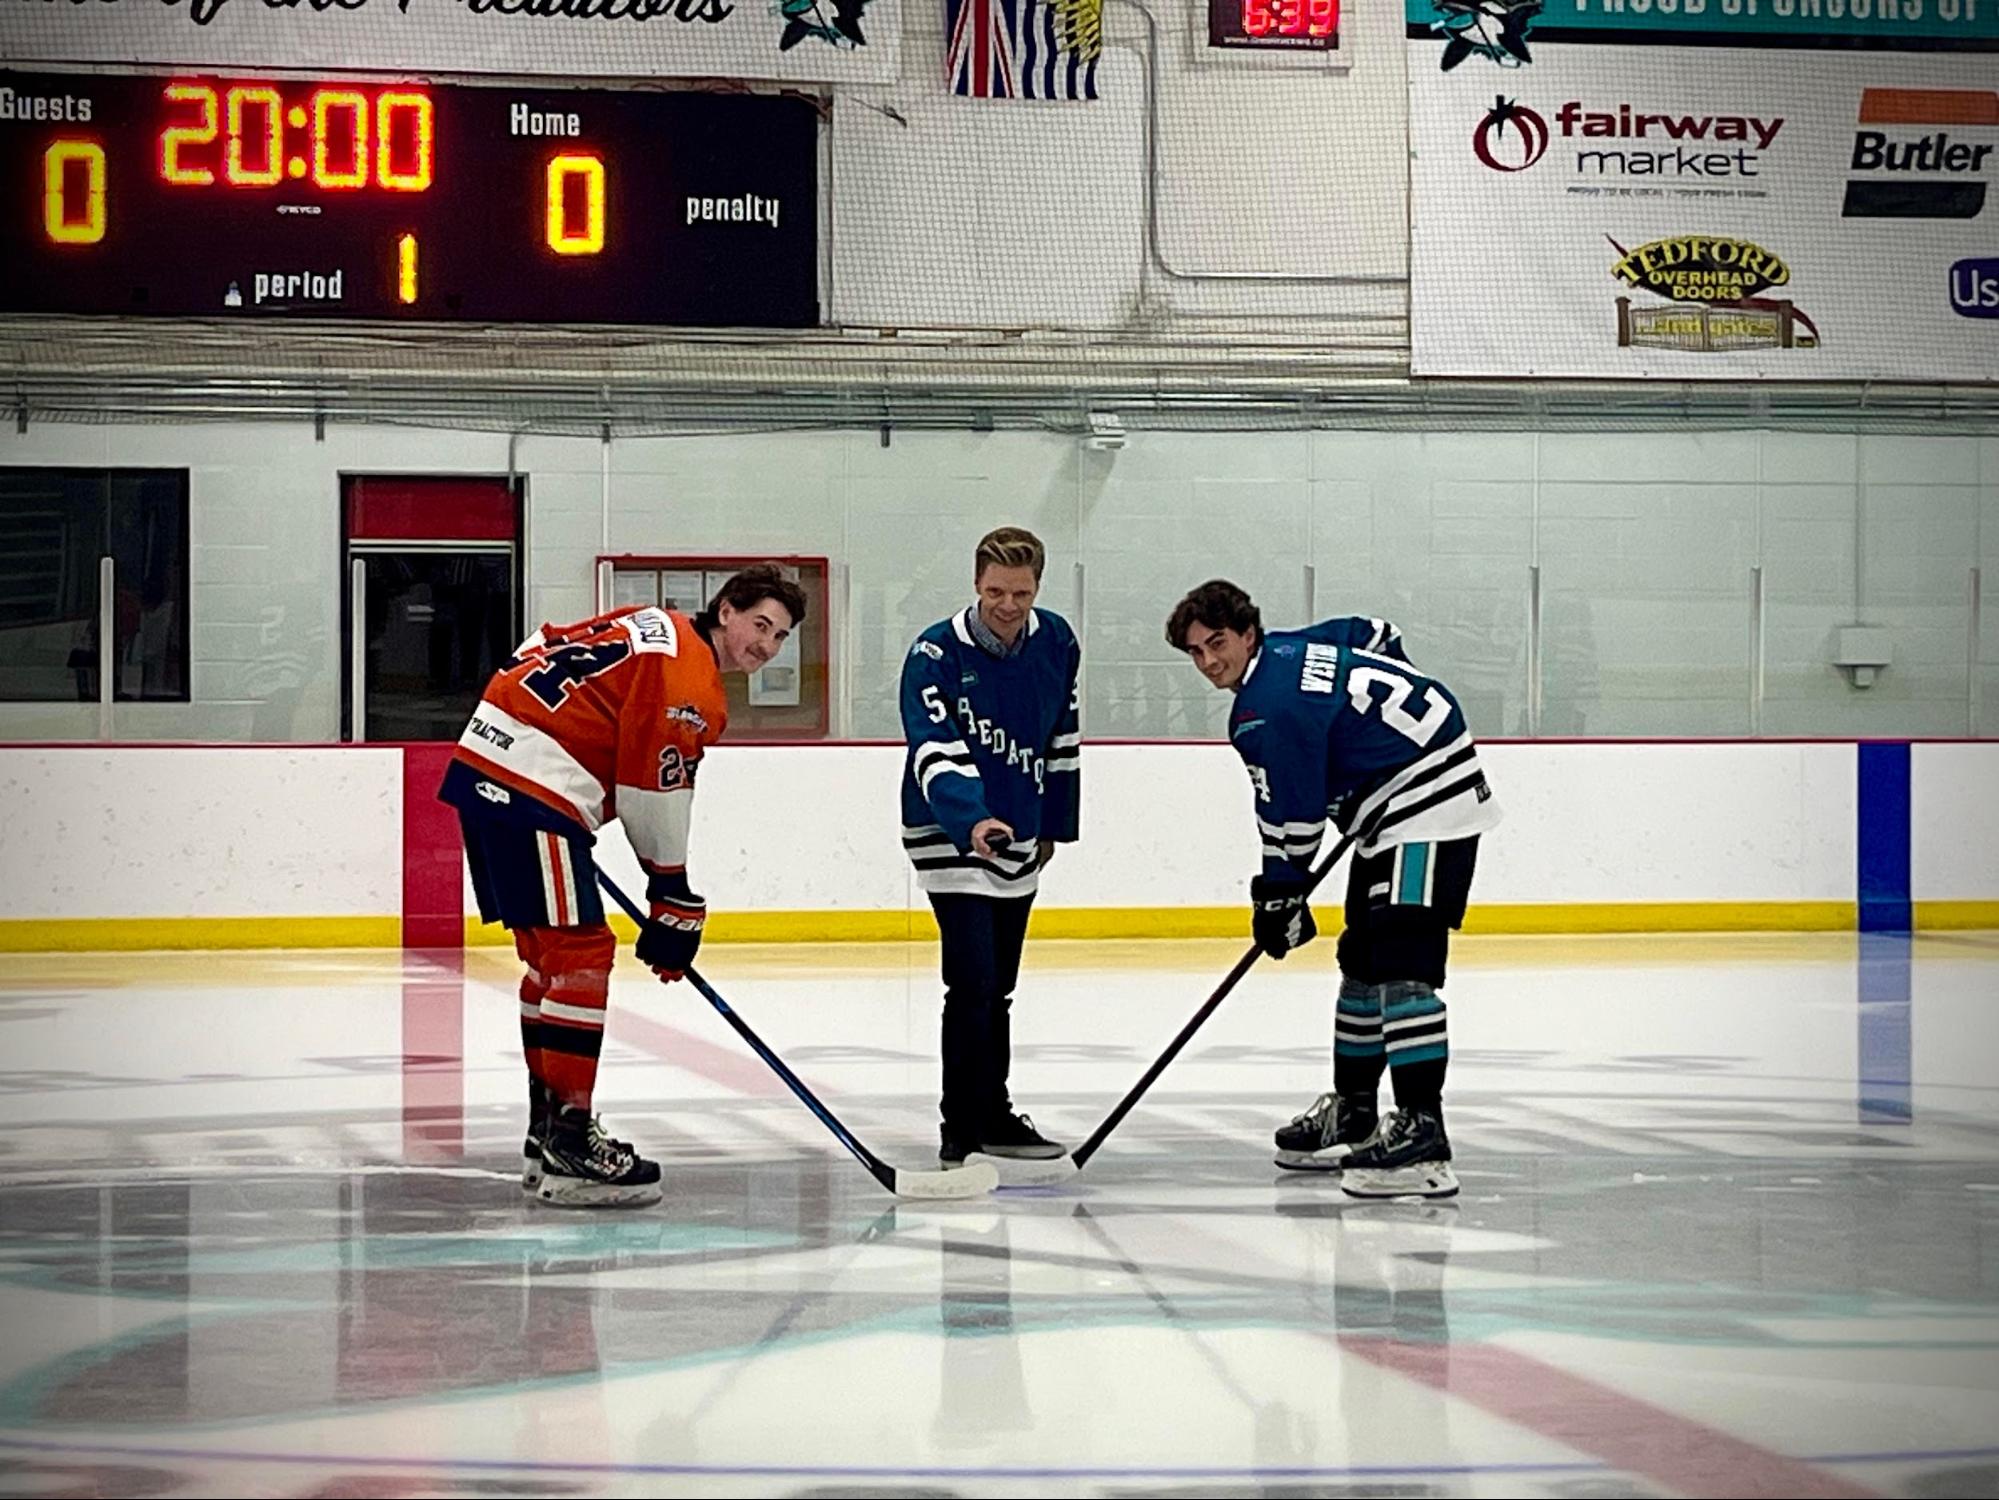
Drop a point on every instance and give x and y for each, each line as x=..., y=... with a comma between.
x=1360, y=679
x=565, y=666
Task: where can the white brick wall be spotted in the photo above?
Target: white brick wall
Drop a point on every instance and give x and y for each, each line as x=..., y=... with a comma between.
x=957, y=212
x=1646, y=541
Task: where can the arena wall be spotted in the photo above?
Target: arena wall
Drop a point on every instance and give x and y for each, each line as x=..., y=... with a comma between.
x=300, y=846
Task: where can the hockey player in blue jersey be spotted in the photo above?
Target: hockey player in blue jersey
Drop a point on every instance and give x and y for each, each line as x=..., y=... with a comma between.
x=991, y=784
x=1334, y=723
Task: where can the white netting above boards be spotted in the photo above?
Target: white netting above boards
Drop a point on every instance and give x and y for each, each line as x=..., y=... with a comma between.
x=1042, y=199
x=1195, y=211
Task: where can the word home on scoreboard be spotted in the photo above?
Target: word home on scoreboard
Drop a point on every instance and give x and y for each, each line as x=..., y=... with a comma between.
x=231, y=197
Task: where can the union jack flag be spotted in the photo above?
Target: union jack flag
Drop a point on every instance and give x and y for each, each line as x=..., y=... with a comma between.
x=1023, y=49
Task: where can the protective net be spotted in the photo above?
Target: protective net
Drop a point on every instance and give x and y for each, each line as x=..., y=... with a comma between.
x=1182, y=233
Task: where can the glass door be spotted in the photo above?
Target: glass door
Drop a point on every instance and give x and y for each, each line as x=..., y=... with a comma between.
x=433, y=606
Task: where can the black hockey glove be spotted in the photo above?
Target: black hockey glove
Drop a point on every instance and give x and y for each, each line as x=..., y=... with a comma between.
x=1279, y=916
x=667, y=944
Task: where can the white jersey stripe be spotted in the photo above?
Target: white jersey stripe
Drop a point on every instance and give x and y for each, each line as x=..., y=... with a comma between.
x=550, y=899
x=657, y=822
x=964, y=880
x=940, y=868
x=929, y=750
x=525, y=752
x=1433, y=1021
x=1378, y=799
x=943, y=768
x=575, y=1015
x=565, y=864
x=1282, y=831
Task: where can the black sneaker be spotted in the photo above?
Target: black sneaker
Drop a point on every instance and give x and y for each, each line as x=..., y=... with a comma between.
x=582, y=1167
x=1013, y=1135
x=1321, y=1139
x=1409, y=1157
x=954, y=1146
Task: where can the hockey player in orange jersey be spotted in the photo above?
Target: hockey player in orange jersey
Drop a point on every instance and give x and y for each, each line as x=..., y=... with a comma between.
x=606, y=718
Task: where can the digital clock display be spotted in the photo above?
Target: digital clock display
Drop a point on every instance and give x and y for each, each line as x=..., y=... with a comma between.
x=1274, y=23
x=233, y=197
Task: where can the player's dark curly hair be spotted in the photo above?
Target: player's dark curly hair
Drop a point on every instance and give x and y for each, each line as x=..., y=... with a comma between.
x=748, y=589
x=1217, y=604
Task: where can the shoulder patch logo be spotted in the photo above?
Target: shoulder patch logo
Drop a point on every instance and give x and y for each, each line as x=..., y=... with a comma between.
x=652, y=630
x=493, y=793
x=687, y=713
x=928, y=648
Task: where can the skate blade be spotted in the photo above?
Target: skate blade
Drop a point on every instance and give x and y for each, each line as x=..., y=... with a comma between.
x=1027, y=1172
x=952, y=1184
x=1314, y=1161
x=558, y=1194
x=1403, y=1182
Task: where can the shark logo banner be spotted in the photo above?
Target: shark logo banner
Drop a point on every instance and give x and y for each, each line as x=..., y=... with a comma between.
x=1495, y=30
x=1503, y=33
x=1703, y=189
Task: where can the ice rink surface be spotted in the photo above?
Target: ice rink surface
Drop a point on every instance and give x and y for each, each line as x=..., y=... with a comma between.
x=1730, y=1226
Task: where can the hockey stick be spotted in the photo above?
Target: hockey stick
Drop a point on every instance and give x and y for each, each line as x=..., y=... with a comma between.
x=969, y=1181
x=1088, y=1149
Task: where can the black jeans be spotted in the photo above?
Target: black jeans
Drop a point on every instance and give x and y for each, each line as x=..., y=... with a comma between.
x=982, y=937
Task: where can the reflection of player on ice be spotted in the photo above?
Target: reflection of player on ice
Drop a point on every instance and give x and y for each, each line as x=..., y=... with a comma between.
x=1334, y=724
x=604, y=718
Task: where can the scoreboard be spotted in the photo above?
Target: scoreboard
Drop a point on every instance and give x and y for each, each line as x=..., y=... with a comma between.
x=215, y=196
x=1282, y=24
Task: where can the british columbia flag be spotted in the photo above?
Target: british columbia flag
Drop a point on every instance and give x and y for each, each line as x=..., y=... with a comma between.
x=1022, y=49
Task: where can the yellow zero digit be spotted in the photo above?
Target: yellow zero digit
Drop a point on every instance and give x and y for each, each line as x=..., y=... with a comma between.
x=62, y=228
x=565, y=235
x=242, y=100
x=324, y=104
x=413, y=113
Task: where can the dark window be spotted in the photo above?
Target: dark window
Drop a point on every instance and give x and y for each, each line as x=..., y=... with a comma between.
x=439, y=625
x=55, y=525
x=441, y=579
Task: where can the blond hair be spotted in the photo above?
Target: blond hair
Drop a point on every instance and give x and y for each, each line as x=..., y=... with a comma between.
x=1009, y=547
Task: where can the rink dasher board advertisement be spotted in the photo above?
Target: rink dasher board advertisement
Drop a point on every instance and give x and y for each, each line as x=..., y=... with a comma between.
x=1680, y=211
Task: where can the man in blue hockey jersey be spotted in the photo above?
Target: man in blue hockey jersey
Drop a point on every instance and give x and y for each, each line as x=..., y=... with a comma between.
x=1333, y=722
x=991, y=784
